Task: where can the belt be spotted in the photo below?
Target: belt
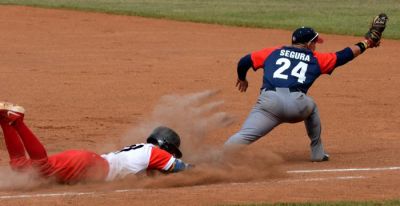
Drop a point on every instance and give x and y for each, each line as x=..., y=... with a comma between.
x=290, y=89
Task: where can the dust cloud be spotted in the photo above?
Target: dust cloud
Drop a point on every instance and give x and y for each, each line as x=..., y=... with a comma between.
x=13, y=180
x=240, y=166
x=194, y=117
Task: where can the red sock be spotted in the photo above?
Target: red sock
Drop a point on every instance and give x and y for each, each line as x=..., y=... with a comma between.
x=14, y=145
x=32, y=144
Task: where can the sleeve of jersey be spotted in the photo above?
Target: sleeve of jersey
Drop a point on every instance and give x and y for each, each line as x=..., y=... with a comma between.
x=326, y=61
x=160, y=159
x=259, y=57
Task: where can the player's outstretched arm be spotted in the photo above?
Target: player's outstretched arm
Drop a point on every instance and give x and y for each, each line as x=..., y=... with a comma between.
x=179, y=166
x=372, y=39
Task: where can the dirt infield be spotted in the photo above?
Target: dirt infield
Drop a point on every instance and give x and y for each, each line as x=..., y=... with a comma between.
x=90, y=81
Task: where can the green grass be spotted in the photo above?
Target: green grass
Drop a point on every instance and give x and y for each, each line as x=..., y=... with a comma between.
x=369, y=203
x=350, y=17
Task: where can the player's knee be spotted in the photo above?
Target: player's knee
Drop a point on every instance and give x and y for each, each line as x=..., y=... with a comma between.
x=20, y=165
x=239, y=139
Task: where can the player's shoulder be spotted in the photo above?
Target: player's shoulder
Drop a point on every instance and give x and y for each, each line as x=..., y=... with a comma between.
x=325, y=57
x=326, y=61
x=160, y=159
x=152, y=149
x=158, y=151
x=258, y=57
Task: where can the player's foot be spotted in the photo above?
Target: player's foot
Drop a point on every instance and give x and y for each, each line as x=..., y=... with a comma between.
x=10, y=112
x=324, y=158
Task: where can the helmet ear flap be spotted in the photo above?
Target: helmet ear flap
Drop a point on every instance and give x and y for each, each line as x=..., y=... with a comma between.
x=152, y=140
x=166, y=147
x=159, y=141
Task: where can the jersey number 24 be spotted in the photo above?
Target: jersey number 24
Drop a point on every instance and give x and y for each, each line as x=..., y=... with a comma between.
x=298, y=71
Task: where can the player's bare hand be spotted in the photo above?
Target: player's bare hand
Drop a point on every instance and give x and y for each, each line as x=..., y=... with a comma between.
x=242, y=85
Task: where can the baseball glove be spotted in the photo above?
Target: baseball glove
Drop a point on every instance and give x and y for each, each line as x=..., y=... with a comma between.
x=374, y=35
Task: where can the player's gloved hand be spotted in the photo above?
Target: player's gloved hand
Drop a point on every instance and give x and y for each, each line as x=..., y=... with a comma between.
x=242, y=85
x=374, y=34
x=189, y=166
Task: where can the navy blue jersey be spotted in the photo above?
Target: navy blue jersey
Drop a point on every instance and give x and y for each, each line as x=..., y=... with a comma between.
x=293, y=68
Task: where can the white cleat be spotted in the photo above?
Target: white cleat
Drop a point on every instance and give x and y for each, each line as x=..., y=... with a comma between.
x=11, y=112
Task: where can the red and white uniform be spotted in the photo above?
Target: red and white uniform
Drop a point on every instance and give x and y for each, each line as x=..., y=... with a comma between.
x=78, y=165
x=137, y=158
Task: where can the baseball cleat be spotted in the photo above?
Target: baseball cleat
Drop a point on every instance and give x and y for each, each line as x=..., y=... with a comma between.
x=324, y=158
x=11, y=112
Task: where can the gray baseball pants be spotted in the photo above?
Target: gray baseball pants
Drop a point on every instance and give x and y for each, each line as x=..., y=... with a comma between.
x=281, y=106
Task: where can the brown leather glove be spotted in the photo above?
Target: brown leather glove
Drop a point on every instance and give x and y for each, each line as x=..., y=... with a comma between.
x=374, y=34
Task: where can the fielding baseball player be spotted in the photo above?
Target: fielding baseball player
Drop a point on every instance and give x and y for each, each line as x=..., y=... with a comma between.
x=289, y=71
x=159, y=153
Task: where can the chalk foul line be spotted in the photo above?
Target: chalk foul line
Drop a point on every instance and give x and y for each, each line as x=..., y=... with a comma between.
x=318, y=179
x=63, y=194
x=46, y=195
x=345, y=170
x=21, y=196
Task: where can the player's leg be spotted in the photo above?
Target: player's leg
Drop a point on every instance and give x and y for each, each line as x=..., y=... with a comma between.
x=261, y=120
x=14, y=115
x=313, y=126
x=71, y=166
x=32, y=144
x=15, y=148
x=300, y=107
